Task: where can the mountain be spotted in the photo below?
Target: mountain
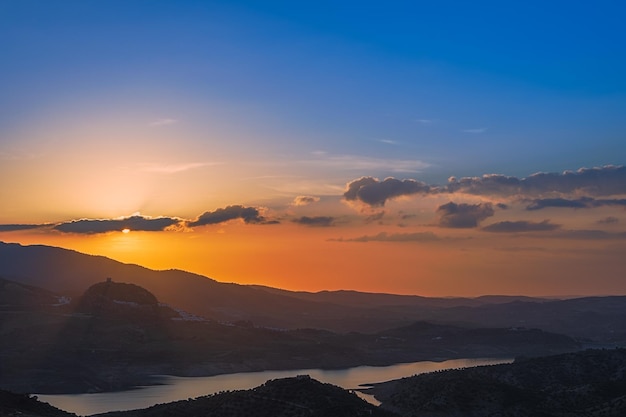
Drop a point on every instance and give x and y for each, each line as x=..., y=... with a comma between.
x=116, y=335
x=69, y=273
x=589, y=383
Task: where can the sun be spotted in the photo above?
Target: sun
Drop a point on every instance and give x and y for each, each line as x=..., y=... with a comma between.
x=125, y=231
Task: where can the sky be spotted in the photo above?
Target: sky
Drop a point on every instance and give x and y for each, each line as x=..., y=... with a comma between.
x=433, y=148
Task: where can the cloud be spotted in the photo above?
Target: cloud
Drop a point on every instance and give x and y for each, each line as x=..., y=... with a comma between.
x=164, y=122
x=394, y=237
x=139, y=223
x=476, y=130
x=463, y=215
x=426, y=121
x=608, y=220
x=375, y=193
x=174, y=168
x=17, y=227
x=582, y=202
x=363, y=163
x=388, y=141
x=588, y=235
x=250, y=215
x=521, y=226
x=304, y=200
x=317, y=221
x=600, y=181
x=603, y=181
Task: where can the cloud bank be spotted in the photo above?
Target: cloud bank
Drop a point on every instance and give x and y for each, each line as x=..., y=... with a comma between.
x=601, y=181
x=138, y=223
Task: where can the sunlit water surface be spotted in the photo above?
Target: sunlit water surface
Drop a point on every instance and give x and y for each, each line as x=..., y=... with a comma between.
x=178, y=388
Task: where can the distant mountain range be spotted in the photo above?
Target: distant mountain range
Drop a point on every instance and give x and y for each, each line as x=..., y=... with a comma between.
x=116, y=335
x=70, y=273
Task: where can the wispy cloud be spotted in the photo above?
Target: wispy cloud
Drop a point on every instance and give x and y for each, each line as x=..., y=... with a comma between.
x=426, y=121
x=388, y=141
x=364, y=163
x=521, y=226
x=174, y=168
x=18, y=227
x=316, y=221
x=304, y=200
x=163, y=122
x=475, y=130
x=392, y=237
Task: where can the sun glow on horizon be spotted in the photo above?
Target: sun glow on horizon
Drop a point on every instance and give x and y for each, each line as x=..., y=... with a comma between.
x=125, y=231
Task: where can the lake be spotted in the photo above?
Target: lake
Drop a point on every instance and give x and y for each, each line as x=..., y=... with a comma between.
x=180, y=388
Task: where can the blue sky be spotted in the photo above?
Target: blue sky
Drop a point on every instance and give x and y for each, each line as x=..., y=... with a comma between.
x=279, y=121
x=469, y=88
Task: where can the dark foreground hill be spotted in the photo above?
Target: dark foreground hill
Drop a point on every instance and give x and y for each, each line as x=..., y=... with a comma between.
x=590, y=383
x=22, y=405
x=584, y=384
x=288, y=397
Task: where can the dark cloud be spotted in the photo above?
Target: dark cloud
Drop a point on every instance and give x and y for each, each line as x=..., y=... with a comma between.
x=521, y=226
x=502, y=206
x=140, y=223
x=582, y=202
x=601, y=181
x=539, y=204
x=16, y=227
x=608, y=220
x=394, y=237
x=318, y=221
x=249, y=215
x=463, y=215
x=375, y=193
x=304, y=200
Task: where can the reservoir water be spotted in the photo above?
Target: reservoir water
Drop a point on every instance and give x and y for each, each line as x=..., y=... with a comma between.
x=179, y=388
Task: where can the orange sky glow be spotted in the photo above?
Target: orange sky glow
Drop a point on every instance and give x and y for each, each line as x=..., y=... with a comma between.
x=394, y=149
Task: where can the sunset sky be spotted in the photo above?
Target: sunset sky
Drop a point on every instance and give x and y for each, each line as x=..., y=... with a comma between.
x=432, y=148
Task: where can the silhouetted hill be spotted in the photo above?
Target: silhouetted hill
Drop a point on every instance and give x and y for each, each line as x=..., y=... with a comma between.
x=598, y=319
x=590, y=383
x=14, y=295
x=23, y=405
x=116, y=335
x=288, y=397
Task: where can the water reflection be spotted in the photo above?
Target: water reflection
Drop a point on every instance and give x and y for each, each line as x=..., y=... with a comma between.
x=179, y=388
